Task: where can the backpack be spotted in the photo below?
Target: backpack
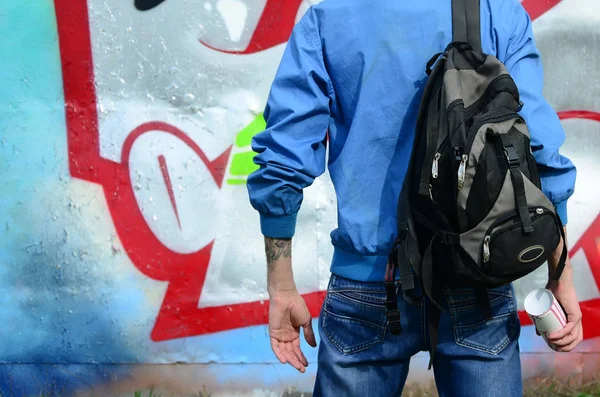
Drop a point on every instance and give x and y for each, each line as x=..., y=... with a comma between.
x=471, y=212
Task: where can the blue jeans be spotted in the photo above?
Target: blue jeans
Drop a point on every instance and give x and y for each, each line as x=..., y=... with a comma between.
x=358, y=356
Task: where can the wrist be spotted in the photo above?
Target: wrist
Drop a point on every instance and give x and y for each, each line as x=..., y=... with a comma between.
x=566, y=276
x=280, y=291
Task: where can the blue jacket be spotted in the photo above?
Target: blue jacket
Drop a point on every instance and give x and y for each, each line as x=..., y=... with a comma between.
x=351, y=78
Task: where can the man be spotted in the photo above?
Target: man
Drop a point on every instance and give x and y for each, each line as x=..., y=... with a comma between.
x=352, y=77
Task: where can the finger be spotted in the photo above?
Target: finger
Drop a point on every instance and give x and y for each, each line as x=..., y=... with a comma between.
x=558, y=335
x=309, y=334
x=275, y=346
x=569, y=347
x=292, y=359
x=573, y=344
x=567, y=340
x=298, y=352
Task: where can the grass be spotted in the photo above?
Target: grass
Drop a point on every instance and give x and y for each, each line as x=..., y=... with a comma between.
x=138, y=393
x=543, y=387
x=538, y=387
x=549, y=387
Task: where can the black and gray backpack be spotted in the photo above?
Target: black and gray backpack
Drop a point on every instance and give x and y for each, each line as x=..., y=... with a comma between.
x=471, y=212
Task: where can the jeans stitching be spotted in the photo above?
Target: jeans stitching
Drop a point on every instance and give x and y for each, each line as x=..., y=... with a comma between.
x=496, y=349
x=330, y=336
x=355, y=348
x=494, y=295
x=350, y=319
x=499, y=317
x=357, y=290
x=355, y=286
x=374, y=304
x=499, y=291
x=463, y=307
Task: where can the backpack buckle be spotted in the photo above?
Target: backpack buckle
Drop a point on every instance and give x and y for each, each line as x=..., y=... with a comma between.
x=393, y=317
x=511, y=156
x=391, y=308
x=449, y=238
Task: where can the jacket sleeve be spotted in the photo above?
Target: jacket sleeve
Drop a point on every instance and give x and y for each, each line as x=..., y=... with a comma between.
x=291, y=151
x=516, y=47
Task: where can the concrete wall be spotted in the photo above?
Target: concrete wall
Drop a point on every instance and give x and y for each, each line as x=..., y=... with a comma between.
x=124, y=148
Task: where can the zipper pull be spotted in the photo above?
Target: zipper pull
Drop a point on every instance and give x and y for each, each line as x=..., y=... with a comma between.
x=435, y=165
x=486, y=249
x=462, y=171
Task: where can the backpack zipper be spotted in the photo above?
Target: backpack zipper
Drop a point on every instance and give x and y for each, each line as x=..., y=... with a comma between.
x=435, y=169
x=462, y=171
x=506, y=114
x=435, y=166
x=474, y=108
x=486, y=249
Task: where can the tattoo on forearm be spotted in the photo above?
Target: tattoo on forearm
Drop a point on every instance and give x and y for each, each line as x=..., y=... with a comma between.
x=277, y=248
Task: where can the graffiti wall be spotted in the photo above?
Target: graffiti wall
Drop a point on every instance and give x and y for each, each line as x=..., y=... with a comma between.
x=125, y=130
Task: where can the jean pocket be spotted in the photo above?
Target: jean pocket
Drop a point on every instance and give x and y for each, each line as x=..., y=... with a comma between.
x=470, y=326
x=353, y=319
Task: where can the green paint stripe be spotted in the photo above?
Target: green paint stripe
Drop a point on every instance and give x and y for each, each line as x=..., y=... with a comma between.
x=236, y=181
x=244, y=138
x=242, y=164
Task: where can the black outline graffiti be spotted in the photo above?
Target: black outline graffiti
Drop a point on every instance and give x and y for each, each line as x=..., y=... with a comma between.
x=145, y=5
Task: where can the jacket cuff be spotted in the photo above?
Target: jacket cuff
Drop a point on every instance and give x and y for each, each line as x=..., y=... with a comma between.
x=561, y=210
x=278, y=226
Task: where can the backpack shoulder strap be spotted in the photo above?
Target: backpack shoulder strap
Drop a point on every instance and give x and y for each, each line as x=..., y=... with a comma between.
x=466, y=22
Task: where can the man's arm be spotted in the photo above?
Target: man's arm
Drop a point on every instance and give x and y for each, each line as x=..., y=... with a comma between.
x=279, y=265
x=563, y=289
x=287, y=310
x=290, y=155
x=291, y=151
x=516, y=47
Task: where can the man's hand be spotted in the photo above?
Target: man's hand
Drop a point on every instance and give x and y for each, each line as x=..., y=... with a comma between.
x=287, y=310
x=571, y=335
x=287, y=313
x=563, y=289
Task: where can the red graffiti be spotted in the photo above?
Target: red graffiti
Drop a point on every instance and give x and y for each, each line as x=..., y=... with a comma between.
x=278, y=18
x=179, y=315
x=579, y=114
x=274, y=26
x=536, y=8
x=164, y=169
